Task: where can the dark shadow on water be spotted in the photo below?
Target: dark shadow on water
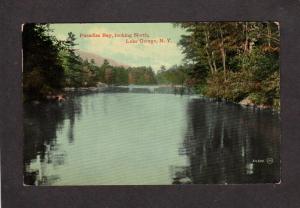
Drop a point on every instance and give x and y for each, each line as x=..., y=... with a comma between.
x=226, y=143
x=42, y=122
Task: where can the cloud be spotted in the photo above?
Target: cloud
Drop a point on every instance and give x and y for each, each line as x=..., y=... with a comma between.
x=139, y=54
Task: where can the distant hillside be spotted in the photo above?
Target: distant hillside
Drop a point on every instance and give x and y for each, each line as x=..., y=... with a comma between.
x=99, y=59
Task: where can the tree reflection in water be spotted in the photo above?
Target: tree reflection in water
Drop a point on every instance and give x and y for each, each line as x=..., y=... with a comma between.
x=42, y=122
x=224, y=143
x=228, y=144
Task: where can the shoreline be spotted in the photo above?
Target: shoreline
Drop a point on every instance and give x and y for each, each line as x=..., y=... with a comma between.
x=61, y=96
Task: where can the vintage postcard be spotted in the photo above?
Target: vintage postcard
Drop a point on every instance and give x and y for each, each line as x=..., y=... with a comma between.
x=151, y=103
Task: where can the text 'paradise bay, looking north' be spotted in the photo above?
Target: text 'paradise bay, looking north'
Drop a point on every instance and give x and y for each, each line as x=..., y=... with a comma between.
x=115, y=35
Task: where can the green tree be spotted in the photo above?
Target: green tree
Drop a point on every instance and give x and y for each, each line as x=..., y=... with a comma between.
x=73, y=63
x=223, y=54
x=42, y=67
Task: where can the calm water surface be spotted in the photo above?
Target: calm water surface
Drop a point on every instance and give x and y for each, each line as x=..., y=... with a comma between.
x=138, y=138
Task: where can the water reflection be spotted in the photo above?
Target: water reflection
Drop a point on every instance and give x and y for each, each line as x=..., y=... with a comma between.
x=228, y=144
x=42, y=123
x=115, y=138
x=104, y=139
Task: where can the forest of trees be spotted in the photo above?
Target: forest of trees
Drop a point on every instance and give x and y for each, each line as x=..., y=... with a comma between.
x=223, y=60
x=50, y=65
x=177, y=75
x=234, y=60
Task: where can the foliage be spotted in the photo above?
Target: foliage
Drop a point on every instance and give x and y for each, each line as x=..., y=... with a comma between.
x=174, y=75
x=141, y=75
x=232, y=86
x=224, y=60
x=42, y=67
x=51, y=65
x=234, y=60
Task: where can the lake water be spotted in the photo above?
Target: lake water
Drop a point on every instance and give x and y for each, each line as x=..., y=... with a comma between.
x=148, y=139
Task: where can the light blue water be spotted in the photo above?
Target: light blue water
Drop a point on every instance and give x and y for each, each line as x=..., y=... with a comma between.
x=136, y=139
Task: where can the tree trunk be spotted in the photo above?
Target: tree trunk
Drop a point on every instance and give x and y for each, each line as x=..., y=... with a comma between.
x=269, y=34
x=209, y=59
x=214, y=61
x=222, y=49
x=246, y=39
x=245, y=44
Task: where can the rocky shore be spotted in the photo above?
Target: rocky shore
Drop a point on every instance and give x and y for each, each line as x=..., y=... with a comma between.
x=249, y=103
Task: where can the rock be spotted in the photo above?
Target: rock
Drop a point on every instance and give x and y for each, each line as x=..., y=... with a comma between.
x=246, y=102
x=60, y=98
x=262, y=106
x=100, y=84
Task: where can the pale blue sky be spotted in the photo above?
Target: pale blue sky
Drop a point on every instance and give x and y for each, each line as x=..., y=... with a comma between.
x=139, y=54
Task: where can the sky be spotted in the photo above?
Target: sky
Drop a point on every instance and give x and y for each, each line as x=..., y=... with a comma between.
x=120, y=49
